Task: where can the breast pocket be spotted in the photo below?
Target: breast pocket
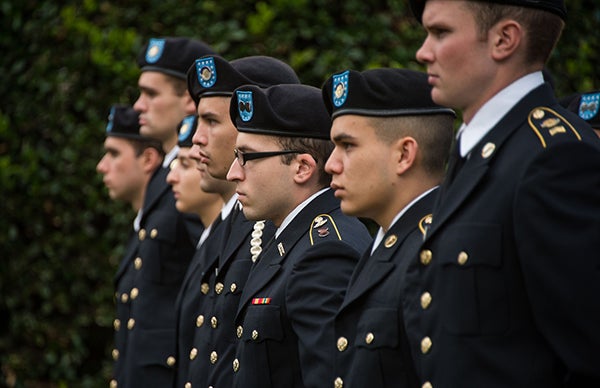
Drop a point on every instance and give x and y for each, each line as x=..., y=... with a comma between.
x=262, y=323
x=474, y=293
x=158, y=249
x=377, y=328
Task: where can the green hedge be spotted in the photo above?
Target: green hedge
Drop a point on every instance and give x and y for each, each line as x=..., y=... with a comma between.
x=64, y=63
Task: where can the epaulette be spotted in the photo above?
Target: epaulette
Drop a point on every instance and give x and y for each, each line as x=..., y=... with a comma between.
x=425, y=224
x=547, y=123
x=320, y=225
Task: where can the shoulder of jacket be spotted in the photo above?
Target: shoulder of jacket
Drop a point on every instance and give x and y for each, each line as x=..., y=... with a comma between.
x=550, y=126
x=323, y=226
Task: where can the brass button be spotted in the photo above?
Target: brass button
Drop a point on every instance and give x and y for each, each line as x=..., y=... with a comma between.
x=117, y=324
x=233, y=287
x=214, y=322
x=188, y=385
x=236, y=365
x=427, y=384
x=193, y=353
x=426, y=345
x=170, y=361
x=142, y=234
x=200, y=320
x=239, y=331
x=130, y=323
x=254, y=334
x=219, y=288
x=462, y=258
x=134, y=293
x=426, y=256
x=115, y=354
x=369, y=338
x=338, y=382
x=137, y=263
x=204, y=288
x=113, y=383
x=213, y=357
x=124, y=297
x=153, y=233
x=342, y=344
x=425, y=300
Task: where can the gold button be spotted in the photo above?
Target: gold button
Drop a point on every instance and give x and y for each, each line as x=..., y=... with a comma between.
x=188, y=385
x=137, y=263
x=142, y=234
x=233, y=287
x=426, y=345
x=213, y=357
x=113, y=383
x=124, y=297
x=204, y=288
x=342, y=344
x=115, y=354
x=462, y=258
x=193, y=353
x=200, y=320
x=427, y=384
x=130, y=323
x=153, y=233
x=117, y=324
x=425, y=300
x=254, y=334
x=170, y=361
x=236, y=365
x=214, y=322
x=369, y=338
x=219, y=288
x=426, y=256
x=338, y=382
x=134, y=293
x=239, y=331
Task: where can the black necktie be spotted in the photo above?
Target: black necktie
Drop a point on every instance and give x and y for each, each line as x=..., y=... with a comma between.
x=455, y=163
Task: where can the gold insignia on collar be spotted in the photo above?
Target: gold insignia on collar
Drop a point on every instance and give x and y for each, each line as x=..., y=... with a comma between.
x=280, y=249
x=557, y=129
x=488, y=150
x=390, y=241
x=319, y=221
x=538, y=114
x=549, y=123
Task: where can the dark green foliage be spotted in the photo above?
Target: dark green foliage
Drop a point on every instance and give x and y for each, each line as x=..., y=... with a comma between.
x=63, y=65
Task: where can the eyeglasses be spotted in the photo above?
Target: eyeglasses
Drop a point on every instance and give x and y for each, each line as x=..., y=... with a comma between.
x=242, y=157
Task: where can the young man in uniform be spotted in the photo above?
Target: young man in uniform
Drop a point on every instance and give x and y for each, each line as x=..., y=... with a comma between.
x=391, y=148
x=285, y=316
x=510, y=260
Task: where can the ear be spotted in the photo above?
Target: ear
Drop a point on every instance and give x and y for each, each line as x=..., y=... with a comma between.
x=405, y=154
x=190, y=105
x=506, y=38
x=305, y=168
x=151, y=159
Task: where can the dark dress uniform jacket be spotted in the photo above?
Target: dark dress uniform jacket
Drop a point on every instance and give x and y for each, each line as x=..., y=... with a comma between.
x=372, y=348
x=512, y=259
x=285, y=317
x=147, y=283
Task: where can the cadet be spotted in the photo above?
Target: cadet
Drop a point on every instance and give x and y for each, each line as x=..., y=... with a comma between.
x=586, y=106
x=510, y=260
x=208, y=332
x=285, y=316
x=383, y=118
x=129, y=162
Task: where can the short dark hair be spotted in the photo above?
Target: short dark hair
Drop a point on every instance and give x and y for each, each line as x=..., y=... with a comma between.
x=543, y=28
x=320, y=149
x=140, y=145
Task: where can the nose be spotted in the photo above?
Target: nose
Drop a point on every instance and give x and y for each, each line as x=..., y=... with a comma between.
x=236, y=172
x=140, y=104
x=172, y=176
x=424, y=54
x=195, y=152
x=333, y=165
x=101, y=166
x=200, y=137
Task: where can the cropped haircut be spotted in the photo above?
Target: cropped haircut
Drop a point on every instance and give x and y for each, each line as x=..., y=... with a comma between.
x=320, y=149
x=542, y=28
x=433, y=134
x=139, y=145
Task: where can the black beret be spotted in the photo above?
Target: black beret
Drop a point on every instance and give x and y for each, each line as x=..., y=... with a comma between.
x=185, y=130
x=123, y=121
x=280, y=110
x=380, y=92
x=586, y=105
x=554, y=6
x=172, y=56
x=215, y=76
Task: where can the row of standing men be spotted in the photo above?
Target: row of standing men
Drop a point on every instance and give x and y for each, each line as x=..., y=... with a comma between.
x=250, y=268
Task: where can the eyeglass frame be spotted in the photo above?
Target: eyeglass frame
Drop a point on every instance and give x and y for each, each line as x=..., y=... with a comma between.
x=243, y=157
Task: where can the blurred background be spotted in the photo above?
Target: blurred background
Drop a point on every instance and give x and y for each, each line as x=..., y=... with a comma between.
x=64, y=63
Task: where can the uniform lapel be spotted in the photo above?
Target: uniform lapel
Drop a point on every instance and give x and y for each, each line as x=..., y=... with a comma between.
x=130, y=251
x=155, y=190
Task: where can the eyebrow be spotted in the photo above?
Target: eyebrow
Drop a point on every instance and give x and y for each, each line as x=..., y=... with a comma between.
x=342, y=137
